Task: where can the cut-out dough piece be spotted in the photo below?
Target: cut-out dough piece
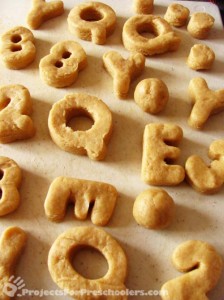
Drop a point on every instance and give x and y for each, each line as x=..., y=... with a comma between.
x=154, y=209
x=61, y=67
x=15, y=108
x=64, y=190
x=204, y=266
x=92, y=21
x=66, y=277
x=205, y=102
x=165, y=38
x=43, y=11
x=201, y=57
x=200, y=25
x=91, y=142
x=143, y=6
x=11, y=177
x=17, y=48
x=157, y=150
x=151, y=95
x=123, y=70
x=203, y=178
x=177, y=14
x=12, y=243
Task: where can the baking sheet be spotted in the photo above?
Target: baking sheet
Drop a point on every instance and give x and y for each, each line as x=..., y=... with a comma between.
x=197, y=216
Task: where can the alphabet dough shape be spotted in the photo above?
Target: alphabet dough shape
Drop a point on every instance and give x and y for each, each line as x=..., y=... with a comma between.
x=15, y=108
x=123, y=71
x=143, y=6
x=82, y=192
x=204, y=266
x=165, y=38
x=92, y=21
x=12, y=243
x=43, y=11
x=66, y=277
x=203, y=178
x=91, y=142
x=17, y=48
x=205, y=102
x=61, y=67
x=11, y=177
x=157, y=150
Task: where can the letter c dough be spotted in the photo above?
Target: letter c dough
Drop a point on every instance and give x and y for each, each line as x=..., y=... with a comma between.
x=91, y=142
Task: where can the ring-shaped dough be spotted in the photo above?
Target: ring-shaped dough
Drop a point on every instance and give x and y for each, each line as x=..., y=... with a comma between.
x=64, y=274
x=92, y=21
x=92, y=141
x=165, y=39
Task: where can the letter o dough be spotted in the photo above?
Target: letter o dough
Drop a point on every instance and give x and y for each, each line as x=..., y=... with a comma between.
x=165, y=38
x=63, y=273
x=60, y=68
x=91, y=142
x=92, y=21
x=17, y=48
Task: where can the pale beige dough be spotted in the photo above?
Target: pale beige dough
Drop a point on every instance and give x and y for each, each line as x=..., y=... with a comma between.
x=43, y=11
x=201, y=57
x=123, y=70
x=165, y=38
x=12, y=244
x=17, y=48
x=151, y=95
x=92, y=21
x=66, y=277
x=177, y=15
x=11, y=177
x=60, y=68
x=154, y=209
x=207, y=179
x=143, y=6
x=203, y=267
x=205, y=102
x=200, y=25
x=159, y=151
x=92, y=142
x=82, y=193
x=15, y=111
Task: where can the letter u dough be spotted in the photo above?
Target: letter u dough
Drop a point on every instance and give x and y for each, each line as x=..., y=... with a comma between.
x=91, y=142
x=82, y=192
